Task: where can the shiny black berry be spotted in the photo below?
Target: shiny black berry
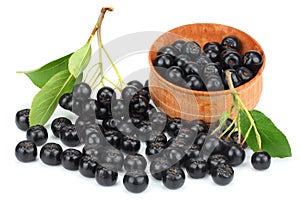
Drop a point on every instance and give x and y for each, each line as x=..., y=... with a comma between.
x=178, y=44
x=111, y=158
x=253, y=60
x=209, y=70
x=173, y=126
x=169, y=50
x=196, y=168
x=215, y=160
x=231, y=58
x=175, y=75
x=26, y=151
x=231, y=42
x=136, y=181
x=50, y=154
x=192, y=49
x=222, y=174
x=136, y=84
x=235, y=154
x=244, y=73
x=130, y=145
x=182, y=60
x=235, y=78
x=69, y=136
x=173, y=178
x=163, y=61
x=105, y=95
x=82, y=91
x=192, y=68
x=70, y=159
x=66, y=101
x=57, y=125
x=87, y=166
x=105, y=176
x=114, y=137
x=37, y=134
x=158, y=166
x=138, y=104
x=194, y=82
x=157, y=136
x=261, y=160
x=153, y=149
x=214, y=83
x=212, y=145
x=135, y=162
x=22, y=119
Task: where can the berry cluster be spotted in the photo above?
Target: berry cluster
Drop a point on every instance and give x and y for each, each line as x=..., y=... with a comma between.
x=185, y=64
x=113, y=130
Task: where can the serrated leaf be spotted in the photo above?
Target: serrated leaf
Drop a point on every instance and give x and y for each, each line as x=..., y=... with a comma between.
x=46, y=100
x=272, y=139
x=40, y=76
x=80, y=59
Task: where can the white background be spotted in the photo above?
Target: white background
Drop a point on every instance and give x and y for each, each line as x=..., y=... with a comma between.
x=34, y=32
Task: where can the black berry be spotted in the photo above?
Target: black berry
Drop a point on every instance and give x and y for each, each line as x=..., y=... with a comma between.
x=26, y=151
x=22, y=119
x=66, y=101
x=37, y=134
x=50, y=154
x=70, y=159
x=82, y=91
x=173, y=178
x=105, y=176
x=57, y=125
x=87, y=166
x=69, y=136
x=136, y=181
x=261, y=160
x=222, y=174
x=135, y=162
x=196, y=168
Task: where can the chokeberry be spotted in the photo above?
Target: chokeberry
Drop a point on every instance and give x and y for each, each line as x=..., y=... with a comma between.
x=66, y=101
x=253, y=60
x=215, y=160
x=114, y=138
x=244, y=73
x=69, y=136
x=87, y=166
x=37, y=134
x=169, y=50
x=153, y=149
x=130, y=145
x=210, y=69
x=231, y=58
x=135, y=162
x=163, y=61
x=235, y=155
x=222, y=174
x=182, y=60
x=173, y=126
x=175, y=75
x=235, y=78
x=173, y=178
x=157, y=136
x=111, y=158
x=231, y=42
x=57, y=125
x=212, y=145
x=192, y=49
x=192, y=68
x=178, y=44
x=82, y=91
x=50, y=154
x=138, y=104
x=118, y=109
x=70, y=159
x=136, y=84
x=26, y=151
x=194, y=82
x=196, y=168
x=200, y=139
x=261, y=160
x=136, y=181
x=214, y=83
x=158, y=166
x=22, y=119
x=105, y=176
x=105, y=95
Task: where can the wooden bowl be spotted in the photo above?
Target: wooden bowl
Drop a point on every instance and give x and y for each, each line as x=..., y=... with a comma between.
x=176, y=101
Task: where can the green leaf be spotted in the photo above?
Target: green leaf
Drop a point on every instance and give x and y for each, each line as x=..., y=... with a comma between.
x=272, y=139
x=46, y=100
x=80, y=59
x=40, y=76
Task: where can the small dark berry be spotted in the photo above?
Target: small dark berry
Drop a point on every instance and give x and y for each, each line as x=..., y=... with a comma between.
x=223, y=174
x=22, y=119
x=261, y=160
x=57, y=125
x=37, y=134
x=135, y=162
x=173, y=178
x=70, y=159
x=196, y=168
x=69, y=136
x=50, y=154
x=87, y=166
x=82, y=91
x=26, y=151
x=231, y=42
x=66, y=101
x=136, y=181
x=105, y=176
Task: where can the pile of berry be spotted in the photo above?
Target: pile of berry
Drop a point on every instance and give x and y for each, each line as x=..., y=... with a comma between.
x=113, y=130
x=186, y=65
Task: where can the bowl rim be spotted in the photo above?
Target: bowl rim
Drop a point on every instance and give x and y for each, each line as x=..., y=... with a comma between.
x=206, y=93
